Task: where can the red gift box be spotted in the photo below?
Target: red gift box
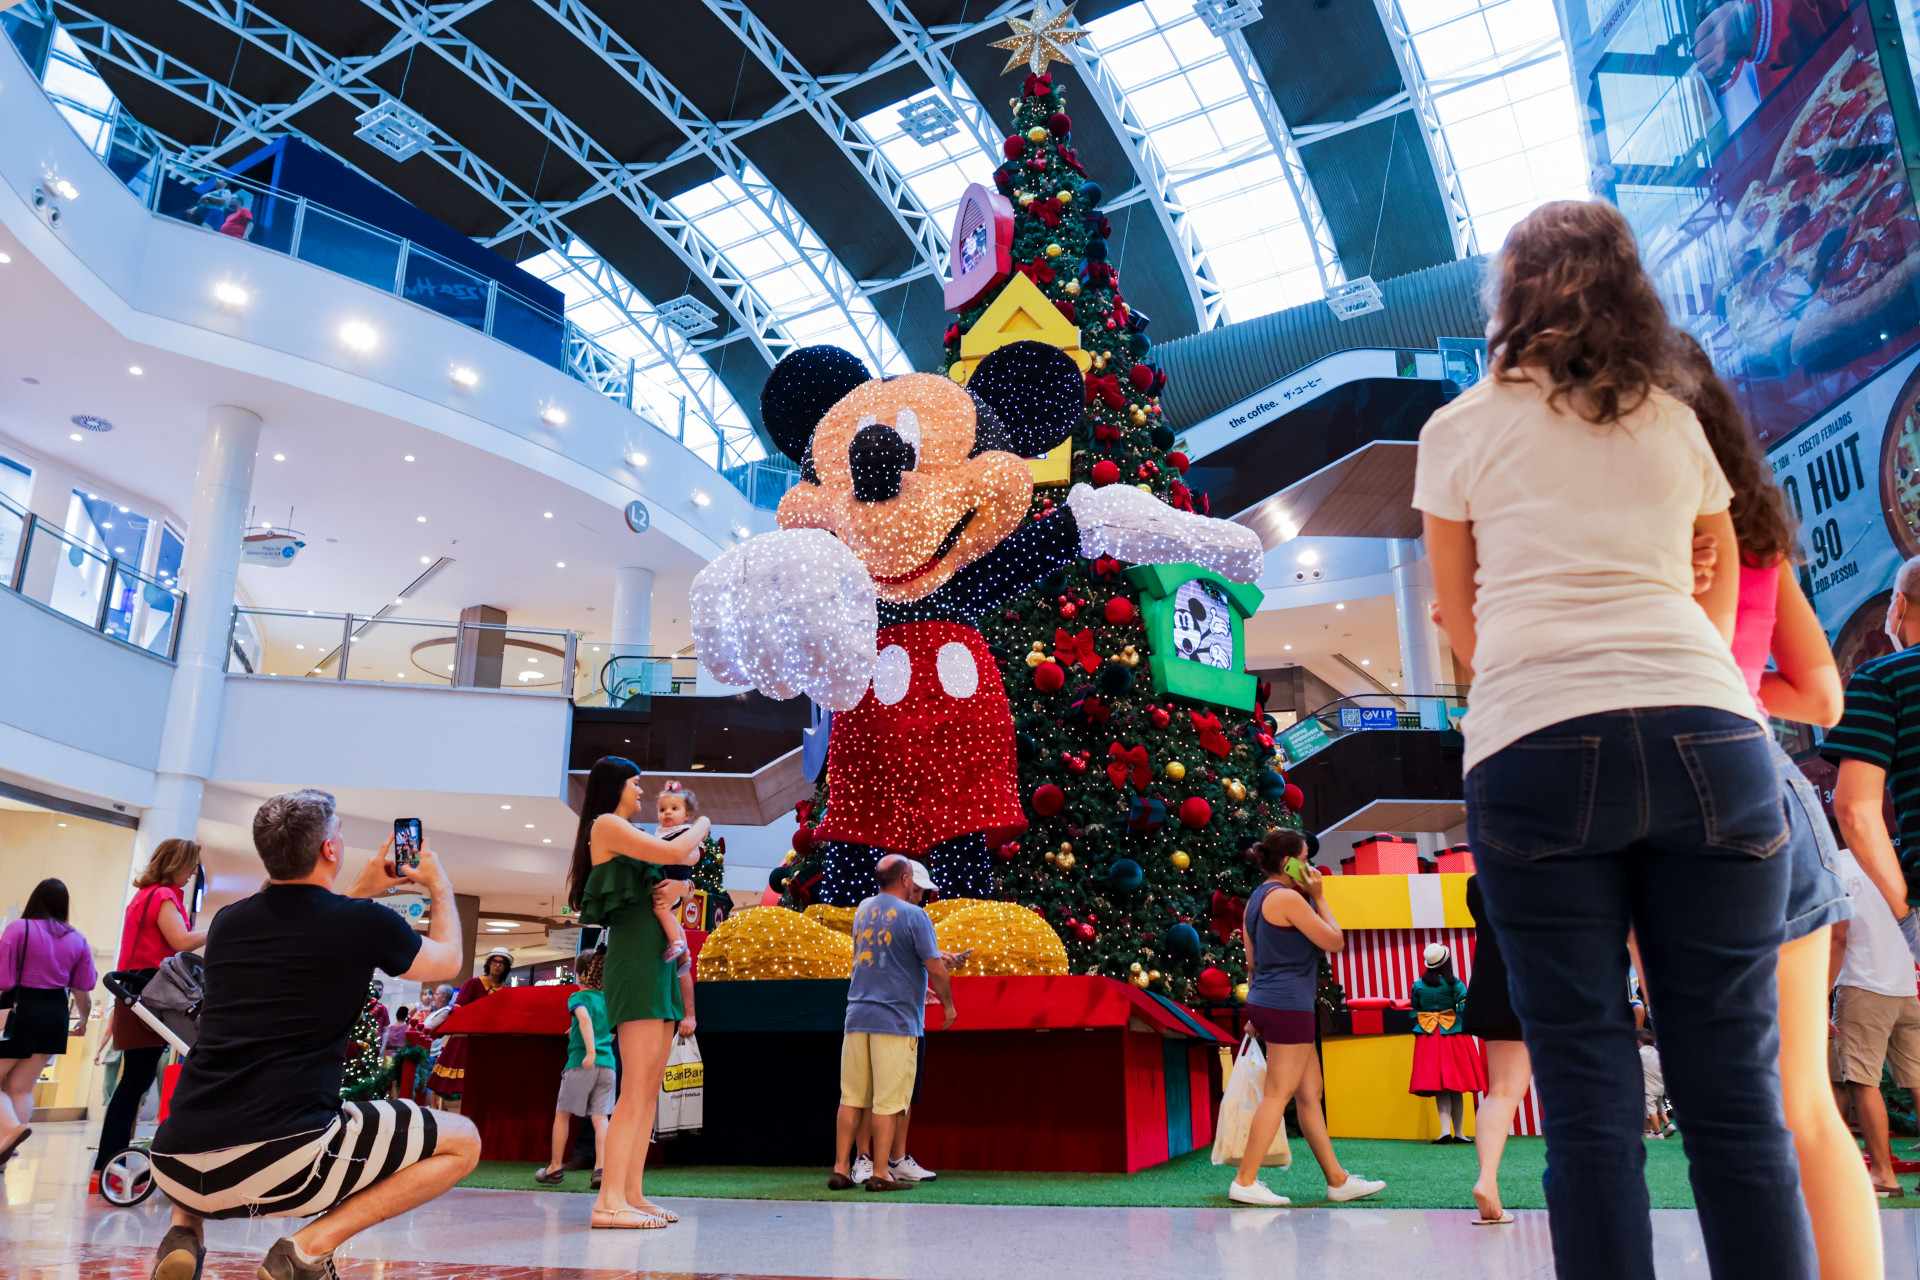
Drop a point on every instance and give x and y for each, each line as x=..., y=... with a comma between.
x=1382, y=854
x=1458, y=858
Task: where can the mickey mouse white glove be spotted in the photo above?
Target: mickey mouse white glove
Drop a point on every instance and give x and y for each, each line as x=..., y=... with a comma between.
x=788, y=612
x=1131, y=524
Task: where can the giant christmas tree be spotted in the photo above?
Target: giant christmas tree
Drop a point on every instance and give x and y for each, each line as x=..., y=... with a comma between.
x=1143, y=788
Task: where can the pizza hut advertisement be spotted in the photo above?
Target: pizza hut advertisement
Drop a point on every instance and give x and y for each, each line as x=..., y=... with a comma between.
x=1810, y=282
x=1853, y=475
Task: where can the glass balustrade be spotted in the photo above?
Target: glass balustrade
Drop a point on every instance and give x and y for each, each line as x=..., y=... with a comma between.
x=385, y=650
x=1437, y=711
x=71, y=576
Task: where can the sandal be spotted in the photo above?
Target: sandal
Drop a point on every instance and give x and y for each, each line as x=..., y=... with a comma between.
x=549, y=1177
x=654, y=1209
x=1500, y=1221
x=614, y=1220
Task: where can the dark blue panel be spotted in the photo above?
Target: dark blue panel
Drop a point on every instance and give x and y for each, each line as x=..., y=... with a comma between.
x=1173, y=1053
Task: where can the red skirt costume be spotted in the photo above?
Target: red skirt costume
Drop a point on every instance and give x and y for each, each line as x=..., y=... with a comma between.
x=927, y=754
x=1447, y=1064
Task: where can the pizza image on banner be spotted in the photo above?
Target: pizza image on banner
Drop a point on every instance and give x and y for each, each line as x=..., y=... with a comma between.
x=1825, y=246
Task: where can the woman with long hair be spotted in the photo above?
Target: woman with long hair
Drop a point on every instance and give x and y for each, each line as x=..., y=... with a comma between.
x=1446, y=1062
x=1488, y=1015
x=1617, y=770
x=614, y=881
x=1774, y=620
x=158, y=925
x=42, y=960
x=1286, y=927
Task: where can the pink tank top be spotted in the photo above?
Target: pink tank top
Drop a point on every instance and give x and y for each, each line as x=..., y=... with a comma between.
x=1753, y=623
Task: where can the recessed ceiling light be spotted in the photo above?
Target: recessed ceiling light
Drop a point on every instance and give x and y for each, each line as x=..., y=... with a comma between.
x=419, y=519
x=5, y=258
x=358, y=335
x=399, y=599
x=739, y=531
x=547, y=514
x=120, y=551
x=107, y=525
x=279, y=457
x=299, y=646
x=559, y=564
x=700, y=498
x=546, y=842
x=135, y=370
x=400, y=675
x=506, y=806
x=500, y=924
x=76, y=436
x=636, y=459
x=529, y=826
x=1339, y=606
x=123, y=510
x=464, y=377
x=228, y=294
x=61, y=824
x=1366, y=662
x=1286, y=646
x=529, y=675
x=553, y=415
x=1307, y=557
x=426, y=559
x=408, y=458
x=449, y=666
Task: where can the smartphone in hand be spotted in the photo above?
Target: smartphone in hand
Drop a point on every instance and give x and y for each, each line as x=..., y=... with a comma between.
x=406, y=842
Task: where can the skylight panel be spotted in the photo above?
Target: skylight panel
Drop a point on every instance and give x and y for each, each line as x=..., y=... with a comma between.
x=936, y=172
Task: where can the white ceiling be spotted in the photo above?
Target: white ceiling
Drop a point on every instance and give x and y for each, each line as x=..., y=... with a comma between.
x=1310, y=636
x=343, y=478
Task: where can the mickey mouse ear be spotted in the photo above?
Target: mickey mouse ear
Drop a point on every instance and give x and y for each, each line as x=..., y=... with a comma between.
x=802, y=387
x=1037, y=391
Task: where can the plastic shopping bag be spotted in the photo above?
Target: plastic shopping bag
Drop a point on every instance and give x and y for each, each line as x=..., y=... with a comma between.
x=682, y=1106
x=1237, y=1104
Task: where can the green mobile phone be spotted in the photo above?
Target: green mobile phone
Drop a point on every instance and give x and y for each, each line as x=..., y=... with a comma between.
x=1295, y=868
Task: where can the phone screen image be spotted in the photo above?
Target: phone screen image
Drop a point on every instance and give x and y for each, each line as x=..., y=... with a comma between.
x=406, y=842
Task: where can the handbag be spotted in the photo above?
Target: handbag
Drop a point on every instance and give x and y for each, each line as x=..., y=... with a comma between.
x=11, y=996
x=682, y=1090
x=1238, y=1101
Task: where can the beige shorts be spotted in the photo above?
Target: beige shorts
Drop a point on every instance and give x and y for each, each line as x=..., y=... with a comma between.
x=1876, y=1029
x=877, y=1071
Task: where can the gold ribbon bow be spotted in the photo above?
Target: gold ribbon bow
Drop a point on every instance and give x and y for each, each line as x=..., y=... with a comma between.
x=1429, y=1019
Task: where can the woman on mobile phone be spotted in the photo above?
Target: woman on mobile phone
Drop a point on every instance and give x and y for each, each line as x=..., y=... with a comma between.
x=1286, y=927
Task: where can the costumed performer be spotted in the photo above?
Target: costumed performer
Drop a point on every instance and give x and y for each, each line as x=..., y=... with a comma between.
x=1446, y=1060
x=449, y=1078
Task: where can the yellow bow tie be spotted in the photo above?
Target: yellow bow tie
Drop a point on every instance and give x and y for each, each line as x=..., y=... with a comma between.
x=1429, y=1019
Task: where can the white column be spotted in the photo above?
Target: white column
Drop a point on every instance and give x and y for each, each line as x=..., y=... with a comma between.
x=633, y=625
x=50, y=498
x=1420, y=669
x=208, y=573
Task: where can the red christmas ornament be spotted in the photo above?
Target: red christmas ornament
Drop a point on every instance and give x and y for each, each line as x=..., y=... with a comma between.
x=1083, y=931
x=1119, y=611
x=1160, y=717
x=1178, y=461
x=1105, y=471
x=1048, y=677
x=1214, y=984
x=1013, y=146
x=1140, y=376
x=1294, y=798
x=1067, y=309
x=1059, y=125
x=802, y=840
x=1008, y=850
x=1048, y=799
x=1076, y=765
x=1109, y=322
x=1069, y=611
x=1195, y=812
x=1038, y=162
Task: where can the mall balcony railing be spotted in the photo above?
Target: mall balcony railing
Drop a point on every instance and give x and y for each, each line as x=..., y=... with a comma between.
x=632, y=681
x=764, y=480
x=46, y=564
x=382, y=649
x=1438, y=711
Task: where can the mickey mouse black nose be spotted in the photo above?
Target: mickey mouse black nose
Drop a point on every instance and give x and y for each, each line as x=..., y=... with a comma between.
x=877, y=456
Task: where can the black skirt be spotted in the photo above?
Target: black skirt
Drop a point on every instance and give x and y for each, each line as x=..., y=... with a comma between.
x=1488, y=1013
x=38, y=1023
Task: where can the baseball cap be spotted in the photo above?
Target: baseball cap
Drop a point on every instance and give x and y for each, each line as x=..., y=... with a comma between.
x=920, y=876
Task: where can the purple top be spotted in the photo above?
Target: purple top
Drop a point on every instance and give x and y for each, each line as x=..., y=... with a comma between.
x=56, y=956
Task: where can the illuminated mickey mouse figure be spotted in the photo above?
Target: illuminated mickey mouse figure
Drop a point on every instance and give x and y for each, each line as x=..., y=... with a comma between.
x=907, y=526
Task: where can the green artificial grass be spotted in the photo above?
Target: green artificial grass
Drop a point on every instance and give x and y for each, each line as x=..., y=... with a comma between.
x=1419, y=1176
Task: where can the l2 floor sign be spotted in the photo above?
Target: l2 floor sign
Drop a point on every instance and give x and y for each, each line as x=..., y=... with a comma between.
x=639, y=519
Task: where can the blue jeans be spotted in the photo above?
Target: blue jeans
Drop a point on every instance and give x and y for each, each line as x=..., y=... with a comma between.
x=1815, y=896
x=1669, y=821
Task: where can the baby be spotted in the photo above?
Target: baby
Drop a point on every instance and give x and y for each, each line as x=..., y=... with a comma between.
x=677, y=808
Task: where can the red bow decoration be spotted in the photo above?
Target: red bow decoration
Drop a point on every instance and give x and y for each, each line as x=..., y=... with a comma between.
x=1228, y=912
x=1038, y=86
x=1129, y=759
x=1090, y=710
x=1207, y=725
x=803, y=811
x=1068, y=650
x=1097, y=225
x=1181, y=497
x=1105, y=433
x=1066, y=153
x=1107, y=387
x=1106, y=567
x=1037, y=271
x=953, y=333
x=1048, y=211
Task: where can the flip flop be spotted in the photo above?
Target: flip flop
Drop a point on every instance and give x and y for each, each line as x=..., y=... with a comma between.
x=613, y=1220
x=1500, y=1221
x=13, y=1143
x=549, y=1179
x=1878, y=1190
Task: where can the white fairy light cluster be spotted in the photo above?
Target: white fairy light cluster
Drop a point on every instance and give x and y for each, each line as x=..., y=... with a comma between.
x=1133, y=525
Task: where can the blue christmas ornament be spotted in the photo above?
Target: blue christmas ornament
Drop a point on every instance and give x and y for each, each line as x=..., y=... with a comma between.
x=1126, y=875
x=1182, y=940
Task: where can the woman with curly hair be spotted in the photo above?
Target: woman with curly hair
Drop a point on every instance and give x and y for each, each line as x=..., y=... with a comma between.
x=1618, y=775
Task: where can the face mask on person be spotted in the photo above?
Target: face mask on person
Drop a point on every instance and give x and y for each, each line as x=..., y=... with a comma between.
x=1896, y=620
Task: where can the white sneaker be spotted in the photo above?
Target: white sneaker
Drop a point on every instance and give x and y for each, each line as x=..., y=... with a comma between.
x=1355, y=1188
x=862, y=1168
x=1258, y=1193
x=907, y=1169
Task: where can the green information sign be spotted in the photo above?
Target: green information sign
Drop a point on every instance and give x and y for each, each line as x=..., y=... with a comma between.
x=1302, y=740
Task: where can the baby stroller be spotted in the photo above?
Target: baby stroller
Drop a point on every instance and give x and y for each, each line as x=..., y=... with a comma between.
x=168, y=1000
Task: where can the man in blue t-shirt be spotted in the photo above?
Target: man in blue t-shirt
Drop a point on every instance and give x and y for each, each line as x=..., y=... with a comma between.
x=894, y=957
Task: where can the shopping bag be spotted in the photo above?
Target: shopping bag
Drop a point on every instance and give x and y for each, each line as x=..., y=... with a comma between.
x=682, y=1091
x=1237, y=1104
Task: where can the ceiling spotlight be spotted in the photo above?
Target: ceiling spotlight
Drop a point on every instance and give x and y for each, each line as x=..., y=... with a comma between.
x=279, y=457
x=1307, y=557
x=419, y=519
x=546, y=842
x=529, y=826
x=700, y=498
x=506, y=806
x=135, y=370
x=65, y=188
x=358, y=335
x=1340, y=606
x=464, y=377
x=1286, y=646
x=559, y=564
x=636, y=459
x=547, y=514
x=1366, y=662
x=76, y=436
x=408, y=458
x=739, y=531
x=553, y=415
x=426, y=559
x=5, y=258
x=230, y=295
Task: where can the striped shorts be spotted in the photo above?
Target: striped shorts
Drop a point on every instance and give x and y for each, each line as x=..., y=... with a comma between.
x=303, y=1174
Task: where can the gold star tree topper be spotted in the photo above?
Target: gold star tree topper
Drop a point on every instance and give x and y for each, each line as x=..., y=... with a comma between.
x=1040, y=39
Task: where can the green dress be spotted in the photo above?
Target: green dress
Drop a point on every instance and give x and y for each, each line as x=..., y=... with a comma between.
x=639, y=984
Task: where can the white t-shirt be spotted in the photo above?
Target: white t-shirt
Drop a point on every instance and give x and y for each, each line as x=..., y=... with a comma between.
x=1877, y=958
x=1584, y=537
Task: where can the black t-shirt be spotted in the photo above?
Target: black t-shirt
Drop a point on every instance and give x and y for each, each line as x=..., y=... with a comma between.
x=287, y=973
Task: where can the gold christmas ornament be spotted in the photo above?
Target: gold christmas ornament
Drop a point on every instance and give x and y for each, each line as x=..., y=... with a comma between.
x=1066, y=846
x=1026, y=198
x=1176, y=770
x=1138, y=415
x=1054, y=251
x=1073, y=290
x=1039, y=40
x=1065, y=862
x=1007, y=940
x=1240, y=992
x=1153, y=975
x=1129, y=655
x=1099, y=359
x=1236, y=789
x=1064, y=196
x=1180, y=860
x=1052, y=857
x=1140, y=980
x=1136, y=967
x=1036, y=134
x=1014, y=103
x=773, y=942
x=1038, y=654
x=1144, y=487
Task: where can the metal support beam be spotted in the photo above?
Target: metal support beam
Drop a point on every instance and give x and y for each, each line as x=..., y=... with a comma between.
x=920, y=47
x=1203, y=291
x=1307, y=134
x=1326, y=254
x=929, y=241
x=1446, y=175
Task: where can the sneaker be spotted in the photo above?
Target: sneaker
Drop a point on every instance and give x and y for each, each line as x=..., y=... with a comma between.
x=179, y=1256
x=862, y=1168
x=1355, y=1188
x=907, y=1169
x=280, y=1264
x=1258, y=1193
